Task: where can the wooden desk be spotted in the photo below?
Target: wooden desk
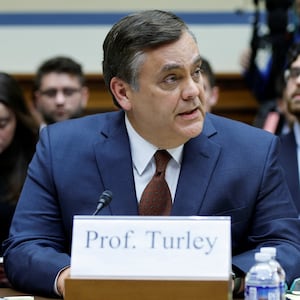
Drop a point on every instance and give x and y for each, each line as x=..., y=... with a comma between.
x=4, y=292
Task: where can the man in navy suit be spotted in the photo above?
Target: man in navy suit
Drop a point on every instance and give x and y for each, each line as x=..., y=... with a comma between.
x=219, y=167
x=290, y=153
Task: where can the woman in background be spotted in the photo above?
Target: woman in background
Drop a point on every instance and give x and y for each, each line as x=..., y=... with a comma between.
x=18, y=137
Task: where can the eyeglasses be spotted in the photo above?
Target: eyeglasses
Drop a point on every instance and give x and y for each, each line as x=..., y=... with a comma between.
x=294, y=288
x=67, y=92
x=292, y=73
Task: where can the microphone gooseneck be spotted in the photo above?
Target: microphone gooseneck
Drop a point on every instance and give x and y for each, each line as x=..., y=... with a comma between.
x=103, y=201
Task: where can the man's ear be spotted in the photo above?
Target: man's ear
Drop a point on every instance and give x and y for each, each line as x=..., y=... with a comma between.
x=85, y=94
x=35, y=98
x=214, y=96
x=121, y=90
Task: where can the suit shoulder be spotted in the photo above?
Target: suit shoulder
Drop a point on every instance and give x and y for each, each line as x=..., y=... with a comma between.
x=80, y=129
x=95, y=122
x=237, y=128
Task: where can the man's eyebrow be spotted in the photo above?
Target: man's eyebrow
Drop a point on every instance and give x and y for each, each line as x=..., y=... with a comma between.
x=198, y=60
x=169, y=67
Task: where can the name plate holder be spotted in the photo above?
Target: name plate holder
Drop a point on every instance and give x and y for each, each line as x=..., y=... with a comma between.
x=150, y=258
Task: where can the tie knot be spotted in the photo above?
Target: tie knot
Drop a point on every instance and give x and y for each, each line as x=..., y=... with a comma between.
x=162, y=158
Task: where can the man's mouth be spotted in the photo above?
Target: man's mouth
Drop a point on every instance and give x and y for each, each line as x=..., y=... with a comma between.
x=189, y=112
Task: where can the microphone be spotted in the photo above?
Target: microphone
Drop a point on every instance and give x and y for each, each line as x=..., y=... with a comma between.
x=103, y=201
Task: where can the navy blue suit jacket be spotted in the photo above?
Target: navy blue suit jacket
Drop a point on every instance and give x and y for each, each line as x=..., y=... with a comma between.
x=230, y=169
x=288, y=158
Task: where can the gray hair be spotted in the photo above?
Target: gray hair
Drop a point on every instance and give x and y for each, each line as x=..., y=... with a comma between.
x=125, y=45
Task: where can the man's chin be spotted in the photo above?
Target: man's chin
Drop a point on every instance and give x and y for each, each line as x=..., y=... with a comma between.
x=193, y=130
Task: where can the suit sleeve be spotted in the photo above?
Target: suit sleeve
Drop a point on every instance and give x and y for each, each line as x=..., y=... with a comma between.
x=274, y=220
x=36, y=249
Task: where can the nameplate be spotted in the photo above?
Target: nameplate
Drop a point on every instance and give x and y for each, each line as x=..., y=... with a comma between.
x=151, y=247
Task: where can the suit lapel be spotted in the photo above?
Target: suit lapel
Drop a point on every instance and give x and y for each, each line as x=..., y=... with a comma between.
x=114, y=161
x=115, y=165
x=200, y=158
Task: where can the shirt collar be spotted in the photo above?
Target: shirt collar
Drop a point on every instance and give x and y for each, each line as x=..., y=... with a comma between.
x=141, y=159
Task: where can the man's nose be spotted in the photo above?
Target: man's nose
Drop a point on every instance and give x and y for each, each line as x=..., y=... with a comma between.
x=191, y=89
x=60, y=97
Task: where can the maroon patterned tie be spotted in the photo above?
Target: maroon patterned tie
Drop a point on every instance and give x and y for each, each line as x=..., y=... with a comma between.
x=156, y=198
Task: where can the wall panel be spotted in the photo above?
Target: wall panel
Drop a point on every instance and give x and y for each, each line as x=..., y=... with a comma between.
x=33, y=30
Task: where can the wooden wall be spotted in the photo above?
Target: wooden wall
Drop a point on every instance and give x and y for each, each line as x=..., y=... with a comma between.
x=235, y=102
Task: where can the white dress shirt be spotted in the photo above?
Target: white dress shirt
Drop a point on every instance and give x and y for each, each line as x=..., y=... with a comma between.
x=142, y=153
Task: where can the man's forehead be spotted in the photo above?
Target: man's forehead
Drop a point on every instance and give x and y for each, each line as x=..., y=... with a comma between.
x=58, y=77
x=179, y=64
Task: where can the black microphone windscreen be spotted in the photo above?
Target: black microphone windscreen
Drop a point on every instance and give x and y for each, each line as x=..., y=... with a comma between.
x=106, y=197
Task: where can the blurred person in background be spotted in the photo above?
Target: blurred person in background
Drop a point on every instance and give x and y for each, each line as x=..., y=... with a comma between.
x=60, y=91
x=211, y=90
x=263, y=61
x=18, y=138
x=290, y=152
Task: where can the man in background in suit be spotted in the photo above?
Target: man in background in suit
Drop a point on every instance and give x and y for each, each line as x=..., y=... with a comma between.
x=60, y=91
x=290, y=153
x=217, y=166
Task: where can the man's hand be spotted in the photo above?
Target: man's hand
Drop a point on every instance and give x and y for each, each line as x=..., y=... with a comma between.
x=238, y=286
x=61, y=281
x=3, y=279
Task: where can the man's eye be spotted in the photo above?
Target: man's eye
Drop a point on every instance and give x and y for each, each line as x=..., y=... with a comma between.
x=51, y=93
x=198, y=71
x=171, y=79
x=68, y=92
